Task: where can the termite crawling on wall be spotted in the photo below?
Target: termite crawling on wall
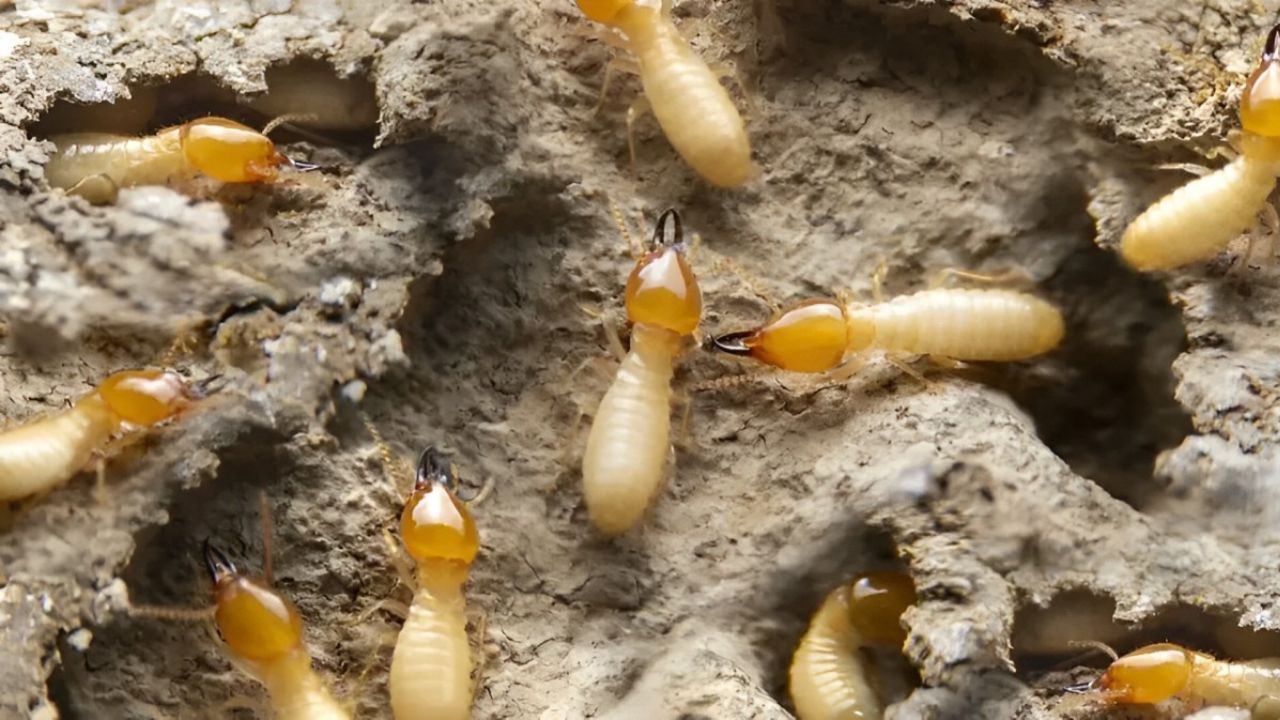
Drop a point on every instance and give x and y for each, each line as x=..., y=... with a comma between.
x=945, y=323
x=41, y=454
x=692, y=107
x=626, y=456
x=97, y=165
x=1198, y=220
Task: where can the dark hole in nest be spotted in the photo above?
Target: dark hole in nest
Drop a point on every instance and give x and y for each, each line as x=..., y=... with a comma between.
x=344, y=109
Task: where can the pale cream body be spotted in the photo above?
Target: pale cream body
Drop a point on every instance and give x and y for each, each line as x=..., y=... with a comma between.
x=958, y=324
x=127, y=161
x=626, y=458
x=296, y=692
x=43, y=454
x=431, y=668
x=827, y=678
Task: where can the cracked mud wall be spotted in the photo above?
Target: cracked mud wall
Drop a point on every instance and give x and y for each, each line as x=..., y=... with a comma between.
x=446, y=269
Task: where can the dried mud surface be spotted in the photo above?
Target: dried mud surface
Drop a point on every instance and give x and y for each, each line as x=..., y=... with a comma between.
x=1119, y=490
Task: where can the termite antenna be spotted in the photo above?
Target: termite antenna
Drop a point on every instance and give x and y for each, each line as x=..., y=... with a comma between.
x=1097, y=645
x=291, y=117
x=206, y=387
x=1079, y=689
x=1269, y=50
x=217, y=563
x=264, y=512
x=660, y=232
x=731, y=343
x=434, y=468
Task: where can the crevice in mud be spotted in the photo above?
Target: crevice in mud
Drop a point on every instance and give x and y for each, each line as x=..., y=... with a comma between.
x=1103, y=401
x=343, y=111
x=1051, y=638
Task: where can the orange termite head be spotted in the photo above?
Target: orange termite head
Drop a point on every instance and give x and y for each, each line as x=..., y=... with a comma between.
x=1260, y=103
x=1148, y=675
x=435, y=524
x=605, y=11
x=811, y=337
x=662, y=290
x=256, y=622
x=876, y=603
x=230, y=152
x=146, y=397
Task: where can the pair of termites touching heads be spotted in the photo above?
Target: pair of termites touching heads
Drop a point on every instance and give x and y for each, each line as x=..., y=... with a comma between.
x=624, y=463
x=430, y=675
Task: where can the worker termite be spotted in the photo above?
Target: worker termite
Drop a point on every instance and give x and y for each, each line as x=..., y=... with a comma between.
x=263, y=632
x=950, y=324
x=625, y=459
x=1199, y=220
x=686, y=97
x=44, y=453
x=96, y=165
x=828, y=679
x=1164, y=671
x=431, y=665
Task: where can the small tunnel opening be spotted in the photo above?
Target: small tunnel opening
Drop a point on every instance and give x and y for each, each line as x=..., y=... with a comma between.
x=1050, y=641
x=326, y=108
x=1104, y=400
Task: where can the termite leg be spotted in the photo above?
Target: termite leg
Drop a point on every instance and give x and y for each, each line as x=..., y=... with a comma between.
x=1193, y=168
x=941, y=278
x=906, y=368
x=639, y=107
x=686, y=422
x=613, y=338
x=399, y=559
x=100, y=481
x=877, y=280
x=1235, y=141
x=99, y=189
x=725, y=71
x=614, y=65
x=485, y=491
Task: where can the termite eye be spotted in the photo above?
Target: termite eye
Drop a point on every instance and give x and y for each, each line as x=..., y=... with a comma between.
x=255, y=621
x=230, y=152
x=1147, y=675
x=809, y=338
x=876, y=603
x=145, y=397
x=435, y=525
x=602, y=10
x=662, y=291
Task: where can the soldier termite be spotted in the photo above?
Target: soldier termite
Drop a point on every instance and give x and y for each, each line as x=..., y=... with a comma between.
x=626, y=455
x=1199, y=220
x=946, y=323
x=97, y=165
x=828, y=677
x=1164, y=671
x=693, y=108
x=43, y=453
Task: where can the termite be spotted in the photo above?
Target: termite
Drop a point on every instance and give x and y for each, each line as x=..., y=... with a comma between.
x=263, y=632
x=950, y=324
x=44, y=453
x=1165, y=671
x=1199, y=220
x=625, y=460
x=828, y=678
x=96, y=165
x=431, y=666
x=692, y=107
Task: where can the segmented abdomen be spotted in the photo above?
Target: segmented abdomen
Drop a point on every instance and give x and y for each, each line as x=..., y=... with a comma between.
x=828, y=681
x=1199, y=219
x=431, y=667
x=128, y=161
x=1233, y=684
x=626, y=456
x=43, y=454
x=967, y=324
x=297, y=693
x=694, y=109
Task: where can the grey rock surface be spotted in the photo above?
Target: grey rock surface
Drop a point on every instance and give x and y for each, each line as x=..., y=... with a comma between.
x=1119, y=490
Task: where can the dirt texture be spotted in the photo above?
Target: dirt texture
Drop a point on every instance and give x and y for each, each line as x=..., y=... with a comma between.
x=439, y=275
